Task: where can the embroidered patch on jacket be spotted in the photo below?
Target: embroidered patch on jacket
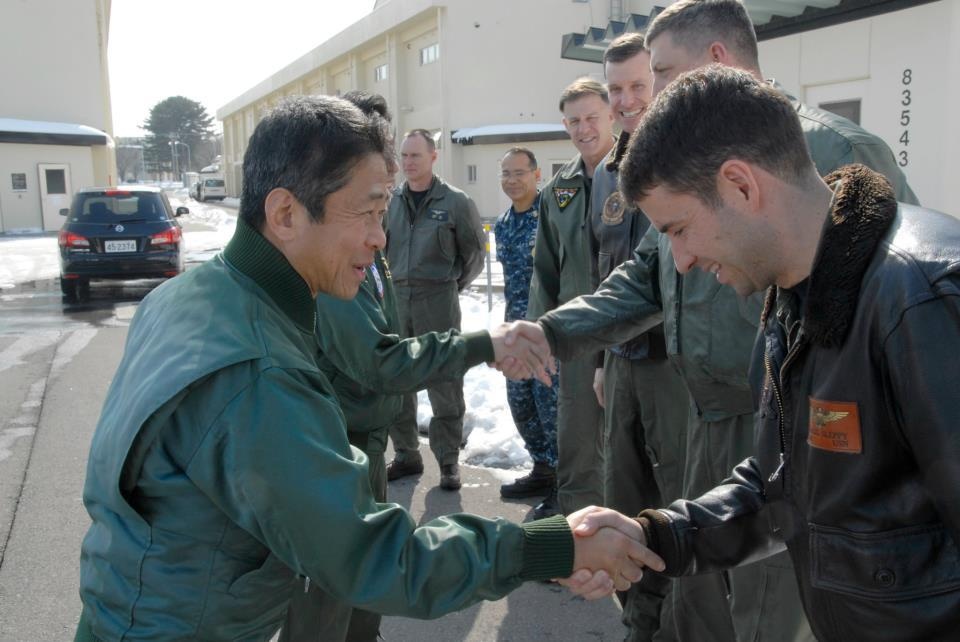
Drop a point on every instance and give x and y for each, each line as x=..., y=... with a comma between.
x=613, y=209
x=835, y=426
x=564, y=195
x=438, y=215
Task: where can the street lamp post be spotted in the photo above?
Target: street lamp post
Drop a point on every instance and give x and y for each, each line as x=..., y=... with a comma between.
x=173, y=157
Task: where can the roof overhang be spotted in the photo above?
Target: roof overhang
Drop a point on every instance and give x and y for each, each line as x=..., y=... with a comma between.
x=509, y=133
x=771, y=18
x=41, y=132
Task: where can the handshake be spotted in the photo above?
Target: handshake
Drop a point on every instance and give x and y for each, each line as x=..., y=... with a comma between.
x=610, y=553
x=522, y=352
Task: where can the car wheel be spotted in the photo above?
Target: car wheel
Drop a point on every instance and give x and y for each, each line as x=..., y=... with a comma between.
x=69, y=289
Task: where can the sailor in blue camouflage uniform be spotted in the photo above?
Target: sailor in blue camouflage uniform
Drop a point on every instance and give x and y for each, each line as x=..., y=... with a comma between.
x=532, y=404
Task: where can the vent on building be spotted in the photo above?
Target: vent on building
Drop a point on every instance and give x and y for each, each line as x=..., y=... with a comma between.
x=849, y=109
x=471, y=173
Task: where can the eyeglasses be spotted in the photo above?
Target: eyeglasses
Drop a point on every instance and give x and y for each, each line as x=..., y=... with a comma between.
x=518, y=174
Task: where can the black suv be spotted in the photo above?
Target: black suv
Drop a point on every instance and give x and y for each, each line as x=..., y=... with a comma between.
x=127, y=232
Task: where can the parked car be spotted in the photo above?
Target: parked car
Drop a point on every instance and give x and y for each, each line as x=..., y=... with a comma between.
x=128, y=232
x=211, y=189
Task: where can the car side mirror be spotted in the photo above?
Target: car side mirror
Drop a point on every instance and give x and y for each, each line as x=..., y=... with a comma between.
x=64, y=211
x=181, y=211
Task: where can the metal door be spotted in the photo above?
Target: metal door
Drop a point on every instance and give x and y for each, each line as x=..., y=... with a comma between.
x=55, y=193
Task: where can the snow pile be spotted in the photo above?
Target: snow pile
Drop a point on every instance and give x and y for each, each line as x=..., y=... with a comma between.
x=28, y=258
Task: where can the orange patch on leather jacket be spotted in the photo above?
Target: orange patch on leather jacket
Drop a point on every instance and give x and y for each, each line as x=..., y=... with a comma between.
x=835, y=426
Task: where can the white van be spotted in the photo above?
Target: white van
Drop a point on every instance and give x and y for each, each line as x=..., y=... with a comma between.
x=211, y=188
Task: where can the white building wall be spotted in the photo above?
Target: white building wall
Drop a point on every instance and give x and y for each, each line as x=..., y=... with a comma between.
x=486, y=192
x=869, y=60
x=498, y=64
x=20, y=210
x=55, y=68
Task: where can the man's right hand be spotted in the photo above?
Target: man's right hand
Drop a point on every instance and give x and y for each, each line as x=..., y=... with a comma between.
x=615, y=548
x=521, y=351
x=598, y=386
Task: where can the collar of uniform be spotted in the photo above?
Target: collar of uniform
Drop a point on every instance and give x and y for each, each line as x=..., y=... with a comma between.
x=573, y=169
x=435, y=182
x=862, y=210
x=261, y=261
x=612, y=164
x=534, y=207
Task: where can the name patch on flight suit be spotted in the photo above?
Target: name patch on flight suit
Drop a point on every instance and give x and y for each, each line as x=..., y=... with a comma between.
x=438, y=215
x=835, y=426
x=564, y=195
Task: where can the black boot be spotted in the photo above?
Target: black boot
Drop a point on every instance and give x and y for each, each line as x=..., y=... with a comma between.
x=549, y=507
x=541, y=478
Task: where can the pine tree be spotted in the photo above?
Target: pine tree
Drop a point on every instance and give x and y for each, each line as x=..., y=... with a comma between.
x=180, y=120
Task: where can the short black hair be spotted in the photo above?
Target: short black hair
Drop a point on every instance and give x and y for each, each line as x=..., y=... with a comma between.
x=522, y=150
x=695, y=24
x=705, y=118
x=308, y=145
x=375, y=107
x=369, y=103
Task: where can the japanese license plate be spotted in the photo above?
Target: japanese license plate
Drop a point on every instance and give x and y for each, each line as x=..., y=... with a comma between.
x=127, y=245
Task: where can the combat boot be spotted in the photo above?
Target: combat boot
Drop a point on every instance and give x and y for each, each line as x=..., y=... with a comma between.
x=450, y=477
x=539, y=480
x=549, y=507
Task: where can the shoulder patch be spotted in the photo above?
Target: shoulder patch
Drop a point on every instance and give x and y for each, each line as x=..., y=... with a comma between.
x=564, y=195
x=613, y=209
x=835, y=426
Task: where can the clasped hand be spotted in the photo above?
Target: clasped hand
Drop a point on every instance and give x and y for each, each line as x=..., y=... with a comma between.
x=522, y=352
x=610, y=553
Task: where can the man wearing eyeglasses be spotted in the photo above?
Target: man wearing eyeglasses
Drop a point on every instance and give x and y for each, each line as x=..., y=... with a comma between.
x=532, y=404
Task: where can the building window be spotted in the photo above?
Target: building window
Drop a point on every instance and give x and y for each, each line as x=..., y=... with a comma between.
x=430, y=53
x=471, y=173
x=849, y=109
x=19, y=182
x=556, y=167
x=380, y=73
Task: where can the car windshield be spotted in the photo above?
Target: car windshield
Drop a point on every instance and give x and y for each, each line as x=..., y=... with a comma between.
x=213, y=183
x=116, y=207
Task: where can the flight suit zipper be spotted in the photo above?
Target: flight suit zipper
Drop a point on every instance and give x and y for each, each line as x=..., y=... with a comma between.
x=775, y=383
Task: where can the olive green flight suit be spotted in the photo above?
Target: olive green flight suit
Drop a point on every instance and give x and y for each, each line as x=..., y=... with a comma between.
x=710, y=333
x=645, y=410
x=435, y=250
x=564, y=268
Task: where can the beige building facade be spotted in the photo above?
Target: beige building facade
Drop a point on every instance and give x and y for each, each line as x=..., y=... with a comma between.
x=55, y=117
x=447, y=66
x=484, y=76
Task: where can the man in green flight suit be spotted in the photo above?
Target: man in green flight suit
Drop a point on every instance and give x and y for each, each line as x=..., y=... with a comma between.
x=436, y=246
x=563, y=268
x=710, y=330
x=220, y=467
